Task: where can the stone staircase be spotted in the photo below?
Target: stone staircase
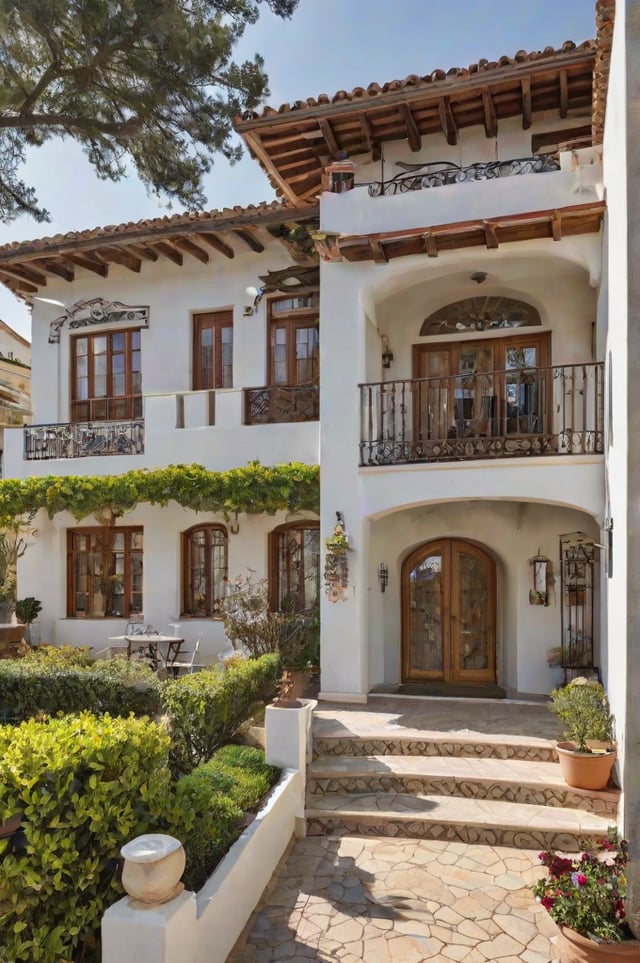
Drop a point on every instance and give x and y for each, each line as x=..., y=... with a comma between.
x=495, y=789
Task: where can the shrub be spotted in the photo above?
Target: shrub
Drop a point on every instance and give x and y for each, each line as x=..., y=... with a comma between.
x=60, y=656
x=39, y=685
x=217, y=794
x=205, y=709
x=583, y=709
x=82, y=787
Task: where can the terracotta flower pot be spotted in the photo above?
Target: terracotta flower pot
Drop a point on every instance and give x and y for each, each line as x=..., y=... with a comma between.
x=574, y=948
x=585, y=770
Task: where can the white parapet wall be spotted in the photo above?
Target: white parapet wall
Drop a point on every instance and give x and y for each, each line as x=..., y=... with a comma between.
x=203, y=927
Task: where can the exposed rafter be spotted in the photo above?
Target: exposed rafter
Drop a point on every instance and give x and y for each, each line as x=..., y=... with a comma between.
x=377, y=251
x=124, y=258
x=564, y=94
x=329, y=138
x=490, y=118
x=448, y=121
x=169, y=251
x=491, y=237
x=250, y=239
x=257, y=147
x=556, y=226
x=60, y=269
x=413, y=134
x=184, y=244
x=430, y=244
x=217, y=244
x=525, y=87
x=89, y=264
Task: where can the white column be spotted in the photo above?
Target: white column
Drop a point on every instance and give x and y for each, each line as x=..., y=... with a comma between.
x=162, y=934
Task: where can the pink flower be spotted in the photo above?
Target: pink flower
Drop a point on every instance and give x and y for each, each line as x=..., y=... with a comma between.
x=578, y=879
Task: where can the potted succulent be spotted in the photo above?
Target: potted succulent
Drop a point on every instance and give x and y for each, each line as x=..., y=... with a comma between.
x=587, y=757
x=585, y=897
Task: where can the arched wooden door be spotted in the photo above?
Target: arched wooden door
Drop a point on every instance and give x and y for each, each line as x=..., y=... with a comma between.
x=449, y=613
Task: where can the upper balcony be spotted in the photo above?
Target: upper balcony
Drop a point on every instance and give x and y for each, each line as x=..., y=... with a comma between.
x=550, y=410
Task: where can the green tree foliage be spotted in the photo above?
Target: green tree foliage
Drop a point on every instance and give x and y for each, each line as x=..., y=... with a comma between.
x=150, y=83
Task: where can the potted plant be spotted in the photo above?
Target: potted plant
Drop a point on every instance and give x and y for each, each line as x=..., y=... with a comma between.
x=587, y=758
x=27, y=611
x=585, y=898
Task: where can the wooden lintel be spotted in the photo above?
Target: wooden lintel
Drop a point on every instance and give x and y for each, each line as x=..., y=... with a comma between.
x=59, y=269
x=564, y=94
x=249, y=239
x=378, y=251
x=490, y=118
x=448, y=121
x=525, y=87
x=413, y=134
x=490, y=235
x=190, y=248
x=217, y=244
x=169, y=251
x=329, y=138
x=124, y=258
x=13, y=282
x=90, y=264
x=556, y=225
x=430, y=244
x=255, y=144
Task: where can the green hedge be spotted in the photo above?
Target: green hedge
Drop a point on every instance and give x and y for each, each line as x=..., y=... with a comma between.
x=36, y=686
x=82, y=786
x=206, y=709
x=217, y=794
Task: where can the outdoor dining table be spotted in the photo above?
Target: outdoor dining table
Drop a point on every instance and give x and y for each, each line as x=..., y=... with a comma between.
x=161, y=650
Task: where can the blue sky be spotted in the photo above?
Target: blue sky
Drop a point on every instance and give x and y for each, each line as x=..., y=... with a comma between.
x=327, y=46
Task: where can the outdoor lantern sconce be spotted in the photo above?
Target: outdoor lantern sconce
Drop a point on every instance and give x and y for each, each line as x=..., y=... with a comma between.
x=387, y=353
x=336, y=567
x=542, y=576
x=257, y=294
x=383, y=576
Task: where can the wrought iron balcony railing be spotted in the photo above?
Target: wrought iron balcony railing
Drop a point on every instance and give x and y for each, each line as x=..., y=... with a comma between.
x=416, y=177
x=554, y=410
x=277, y=404
x=83, y=439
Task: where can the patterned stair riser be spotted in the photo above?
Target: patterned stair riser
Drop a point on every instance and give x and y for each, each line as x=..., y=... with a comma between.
x=417, y=747
x=336, y=824
x=558, y=798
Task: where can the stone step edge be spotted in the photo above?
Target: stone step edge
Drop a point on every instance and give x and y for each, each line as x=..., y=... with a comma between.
x=316, y=771
x=437, y=736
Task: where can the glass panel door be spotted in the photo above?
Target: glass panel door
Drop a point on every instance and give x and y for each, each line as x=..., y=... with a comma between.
x=448, y=590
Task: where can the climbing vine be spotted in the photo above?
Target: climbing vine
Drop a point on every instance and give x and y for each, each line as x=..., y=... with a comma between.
x=252, y=490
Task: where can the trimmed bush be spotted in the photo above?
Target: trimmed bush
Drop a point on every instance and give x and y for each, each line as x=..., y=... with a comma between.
x=217, y=794
x=82, y=787
x=207, y=708
x=37, y=686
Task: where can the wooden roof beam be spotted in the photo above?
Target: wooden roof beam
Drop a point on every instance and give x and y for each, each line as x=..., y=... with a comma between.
x=217, y=244
x=23, y=273
x=490, y=235
x=184, y=244
x=372, y=144
x=413, y=134
x=144, y=252
x=525, y=89
x=124, y=258
x=255, y=144
x=17, y=283
x=89, y=264
x=490, y=118
x=58, y=268
x=448, y=121
x=249, y=239
x=167, y=248
x=377, y=251
x=430, y=244
x=330, y=139
x=564, y=94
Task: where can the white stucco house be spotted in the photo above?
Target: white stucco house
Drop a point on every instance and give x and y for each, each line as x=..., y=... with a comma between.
x=435, y=311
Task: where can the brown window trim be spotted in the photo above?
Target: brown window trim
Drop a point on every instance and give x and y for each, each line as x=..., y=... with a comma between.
x=185, y=568
x=217, y=320
x=293, y=319
x=101, y=530
x=274, y=586
x=129, y=398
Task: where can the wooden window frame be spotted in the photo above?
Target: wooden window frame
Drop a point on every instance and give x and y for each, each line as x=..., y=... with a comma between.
x=97, y=530
x=274, y=573
x=213, y=605
x=291, y=320
x=129, y=398
x=217, y=320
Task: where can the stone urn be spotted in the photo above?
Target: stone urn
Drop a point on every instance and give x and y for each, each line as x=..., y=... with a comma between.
x=153, y=865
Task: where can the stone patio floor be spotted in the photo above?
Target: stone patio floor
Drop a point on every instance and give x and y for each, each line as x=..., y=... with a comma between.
x=399, y=901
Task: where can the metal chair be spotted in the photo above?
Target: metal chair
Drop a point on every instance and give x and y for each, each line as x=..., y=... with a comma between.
x=189, y=664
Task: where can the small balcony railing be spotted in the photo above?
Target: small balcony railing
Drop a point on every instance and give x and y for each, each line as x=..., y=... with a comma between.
x=554, y=410
x=83, y=439
x=417, y=177
x=278, y=404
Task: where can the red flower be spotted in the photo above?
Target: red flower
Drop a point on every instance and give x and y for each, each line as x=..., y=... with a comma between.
x=547, y=902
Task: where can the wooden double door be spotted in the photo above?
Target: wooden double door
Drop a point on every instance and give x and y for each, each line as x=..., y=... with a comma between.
x=449, y=613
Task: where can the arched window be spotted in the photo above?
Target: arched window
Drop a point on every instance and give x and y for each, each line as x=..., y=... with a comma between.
x=205, y=568
x=294, y=568
x=480, y=314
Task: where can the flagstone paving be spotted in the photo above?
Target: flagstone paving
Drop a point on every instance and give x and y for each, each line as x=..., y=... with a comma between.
x=399, y=901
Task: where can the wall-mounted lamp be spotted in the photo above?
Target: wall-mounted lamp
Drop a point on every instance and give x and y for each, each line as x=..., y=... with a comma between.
x=383, y=575
x=234, y=526
x=257, y=294
x=387, y=353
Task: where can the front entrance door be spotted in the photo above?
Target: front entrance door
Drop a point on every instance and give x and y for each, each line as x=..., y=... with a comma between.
x=448, y=613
